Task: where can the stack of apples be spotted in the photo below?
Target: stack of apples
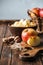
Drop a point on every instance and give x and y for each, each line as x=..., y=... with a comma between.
x=38, y=11
x=30, y=36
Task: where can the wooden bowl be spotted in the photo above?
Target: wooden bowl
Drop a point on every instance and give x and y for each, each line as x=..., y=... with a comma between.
x=16, y=31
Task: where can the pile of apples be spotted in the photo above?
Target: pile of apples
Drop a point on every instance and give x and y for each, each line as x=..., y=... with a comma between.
x=30, y=36
x=38, y=11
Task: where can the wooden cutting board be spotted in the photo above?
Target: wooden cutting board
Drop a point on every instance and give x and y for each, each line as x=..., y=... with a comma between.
x=28, y=52
x=31, y=52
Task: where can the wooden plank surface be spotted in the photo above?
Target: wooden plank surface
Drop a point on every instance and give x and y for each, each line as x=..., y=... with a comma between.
x=4, y=52
x=6, y=57
x=3, y=29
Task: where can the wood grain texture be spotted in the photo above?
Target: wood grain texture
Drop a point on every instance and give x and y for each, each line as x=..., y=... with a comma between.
x=11, y=58
x=3, y=29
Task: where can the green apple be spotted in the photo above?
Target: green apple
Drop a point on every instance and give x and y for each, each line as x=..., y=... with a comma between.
x=33, y=41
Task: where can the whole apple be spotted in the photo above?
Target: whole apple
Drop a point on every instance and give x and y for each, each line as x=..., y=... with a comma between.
x=33, y=41
x=27, y=33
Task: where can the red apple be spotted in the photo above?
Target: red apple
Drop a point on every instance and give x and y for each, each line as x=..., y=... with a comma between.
x=27, y=33
x=36, y=11
x=41, y=12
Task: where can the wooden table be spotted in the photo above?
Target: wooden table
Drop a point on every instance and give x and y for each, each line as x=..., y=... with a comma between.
x=8, y=58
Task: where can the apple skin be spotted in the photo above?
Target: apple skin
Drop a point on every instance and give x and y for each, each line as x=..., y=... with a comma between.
x=27, y=33
x=41, y=12
x=33, y=41
x=36, y=11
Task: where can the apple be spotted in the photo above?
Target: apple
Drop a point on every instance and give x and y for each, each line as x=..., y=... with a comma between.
x=36, y=11
x=41, y=12
x=27, y=33
x=33, y=41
